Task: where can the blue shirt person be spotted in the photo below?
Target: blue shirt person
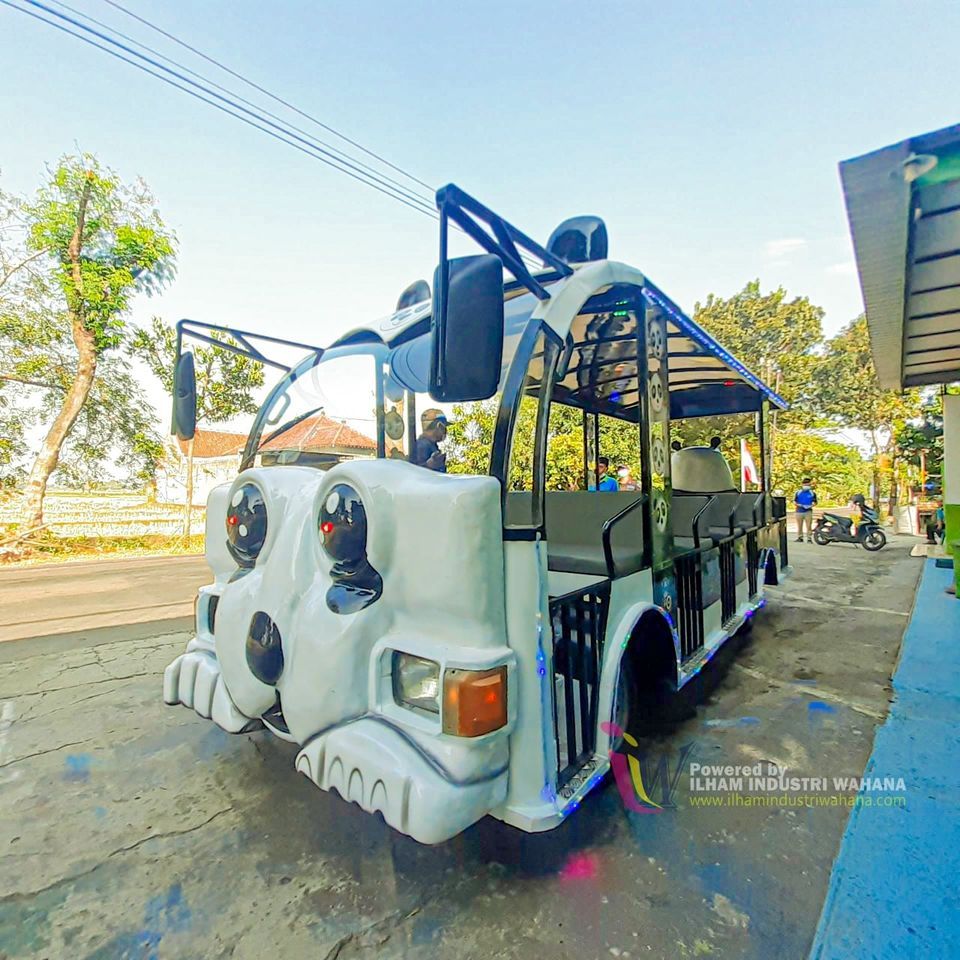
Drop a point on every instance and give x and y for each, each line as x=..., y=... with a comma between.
x=804, y=501
x=607, y=483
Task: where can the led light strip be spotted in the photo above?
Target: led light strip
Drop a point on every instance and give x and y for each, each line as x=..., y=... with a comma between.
x=705, y=340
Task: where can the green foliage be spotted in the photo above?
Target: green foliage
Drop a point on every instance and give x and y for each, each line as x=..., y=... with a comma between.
x=838, y=469
x=777, y=339
x=470, y=439
x=63, y=290
x=123, y=245
x=115, y=428
x=225, y=380
x=849, y=393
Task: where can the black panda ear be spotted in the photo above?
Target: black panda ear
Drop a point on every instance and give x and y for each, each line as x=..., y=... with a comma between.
x=676, y=445
x=714, y=443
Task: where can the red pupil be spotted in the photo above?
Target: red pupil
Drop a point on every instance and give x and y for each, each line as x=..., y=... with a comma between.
x=232, y=519
x=326, y=527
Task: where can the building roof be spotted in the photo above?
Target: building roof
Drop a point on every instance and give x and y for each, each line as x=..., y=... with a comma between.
x=903, y=204
x=214, y=443
x=320, y=434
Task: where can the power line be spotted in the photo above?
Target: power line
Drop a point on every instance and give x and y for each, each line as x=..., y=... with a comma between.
x=415, y=195
x=286, y=103
x=317, y=152
x=267, y=93
x=257, y=117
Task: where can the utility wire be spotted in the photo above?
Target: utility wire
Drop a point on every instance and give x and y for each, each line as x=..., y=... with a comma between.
x=288, y=134
x=267, y=93
x=317, y=152
x=411, y=193
x=530, y=261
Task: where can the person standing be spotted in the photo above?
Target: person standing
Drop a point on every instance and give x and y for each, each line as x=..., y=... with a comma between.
x=608, y=483
x=804, y=500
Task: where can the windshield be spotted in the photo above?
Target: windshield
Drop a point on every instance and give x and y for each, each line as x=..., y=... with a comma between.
x=371, y=400
x=323, y=411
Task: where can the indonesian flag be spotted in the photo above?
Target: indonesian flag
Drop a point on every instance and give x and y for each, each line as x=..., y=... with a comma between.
x=748, y=469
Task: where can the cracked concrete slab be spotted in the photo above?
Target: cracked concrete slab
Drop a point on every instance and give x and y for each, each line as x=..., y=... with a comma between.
x=129, y=829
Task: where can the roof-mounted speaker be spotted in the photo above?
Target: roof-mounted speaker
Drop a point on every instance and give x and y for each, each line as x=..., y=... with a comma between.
x=579, y=240
x=417, y=292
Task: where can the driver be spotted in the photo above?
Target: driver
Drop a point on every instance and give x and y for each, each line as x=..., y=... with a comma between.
x=427, y=452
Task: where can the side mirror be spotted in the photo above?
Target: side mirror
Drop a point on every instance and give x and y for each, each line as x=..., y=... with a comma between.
x=466, y=349
x=184, y=420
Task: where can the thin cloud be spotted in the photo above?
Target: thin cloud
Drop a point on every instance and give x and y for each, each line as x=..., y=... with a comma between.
x=846, y=268
x=778, y=249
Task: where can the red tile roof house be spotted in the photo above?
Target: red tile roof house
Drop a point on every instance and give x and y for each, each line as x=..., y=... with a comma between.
x=317, y=441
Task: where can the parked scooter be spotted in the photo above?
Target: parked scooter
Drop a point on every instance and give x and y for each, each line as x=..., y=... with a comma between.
x=832, y=528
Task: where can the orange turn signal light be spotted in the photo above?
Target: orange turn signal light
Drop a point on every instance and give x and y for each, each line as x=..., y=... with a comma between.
x=474, y=701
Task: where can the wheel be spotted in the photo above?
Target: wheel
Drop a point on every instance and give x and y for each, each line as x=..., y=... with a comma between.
x=820, y=537
x=875, y=540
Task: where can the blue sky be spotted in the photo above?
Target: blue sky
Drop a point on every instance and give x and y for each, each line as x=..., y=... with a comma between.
x=706, y=134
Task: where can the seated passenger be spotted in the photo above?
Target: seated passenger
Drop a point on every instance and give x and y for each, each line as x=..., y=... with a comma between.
x=427, y=452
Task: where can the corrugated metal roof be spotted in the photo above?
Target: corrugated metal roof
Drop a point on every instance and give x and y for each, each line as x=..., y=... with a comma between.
x=903, y=204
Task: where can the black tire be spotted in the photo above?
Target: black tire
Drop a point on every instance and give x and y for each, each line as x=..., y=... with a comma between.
x=875, y=540
x=648, y=706
x=819, y=537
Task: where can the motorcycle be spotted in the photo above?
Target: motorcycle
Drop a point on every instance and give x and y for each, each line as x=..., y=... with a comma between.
x=832, y=528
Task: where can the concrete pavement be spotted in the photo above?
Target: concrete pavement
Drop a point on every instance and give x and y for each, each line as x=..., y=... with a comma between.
x=905, y=905
x=129, y=829
x=81, y=598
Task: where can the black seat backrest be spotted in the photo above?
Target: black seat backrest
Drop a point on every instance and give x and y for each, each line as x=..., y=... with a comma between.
x=717, y=517
x=574, y=526
x=745, y=509
x=684, y=507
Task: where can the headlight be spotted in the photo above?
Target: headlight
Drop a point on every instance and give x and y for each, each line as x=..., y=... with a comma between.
x=343, y=525
x=416, y=682
x=246, y=524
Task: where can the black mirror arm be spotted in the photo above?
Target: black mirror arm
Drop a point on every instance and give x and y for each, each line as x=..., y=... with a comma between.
x=506, y=242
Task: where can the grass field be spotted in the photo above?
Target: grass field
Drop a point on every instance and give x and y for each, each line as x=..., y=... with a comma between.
x=84, y=526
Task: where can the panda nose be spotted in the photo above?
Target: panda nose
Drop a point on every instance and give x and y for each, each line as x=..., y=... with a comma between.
x=263, y=650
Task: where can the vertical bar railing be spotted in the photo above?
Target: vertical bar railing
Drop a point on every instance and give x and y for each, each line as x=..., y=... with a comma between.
x=578, y=624
x=688, y=573
x=728, y=581
x=753, y=561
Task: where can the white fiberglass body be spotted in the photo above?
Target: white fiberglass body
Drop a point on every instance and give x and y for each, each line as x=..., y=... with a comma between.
x=286, y=639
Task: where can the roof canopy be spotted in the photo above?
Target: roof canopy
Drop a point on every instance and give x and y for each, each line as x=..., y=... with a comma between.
x=703, y=379
x=903, y=203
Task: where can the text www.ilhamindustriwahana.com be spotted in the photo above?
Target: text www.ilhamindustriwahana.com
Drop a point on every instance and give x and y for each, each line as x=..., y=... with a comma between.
x=797, y=800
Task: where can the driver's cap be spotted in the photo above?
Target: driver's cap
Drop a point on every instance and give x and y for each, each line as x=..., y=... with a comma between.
x=431, y=416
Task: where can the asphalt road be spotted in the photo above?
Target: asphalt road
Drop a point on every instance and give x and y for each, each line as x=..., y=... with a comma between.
x=87, y=601
x=129, y=829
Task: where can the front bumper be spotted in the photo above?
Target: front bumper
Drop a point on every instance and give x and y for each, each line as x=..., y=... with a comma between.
x=370, y=762
x=194, y=679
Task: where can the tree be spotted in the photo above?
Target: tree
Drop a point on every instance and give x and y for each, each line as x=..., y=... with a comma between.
x=225, y=383
x=775, y=338
x=471, y=438
x=838, y=468
x=849, y=393
x=115, y=426
x=98, y=242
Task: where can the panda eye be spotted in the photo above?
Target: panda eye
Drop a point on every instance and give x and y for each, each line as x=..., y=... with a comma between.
x=246, y=524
